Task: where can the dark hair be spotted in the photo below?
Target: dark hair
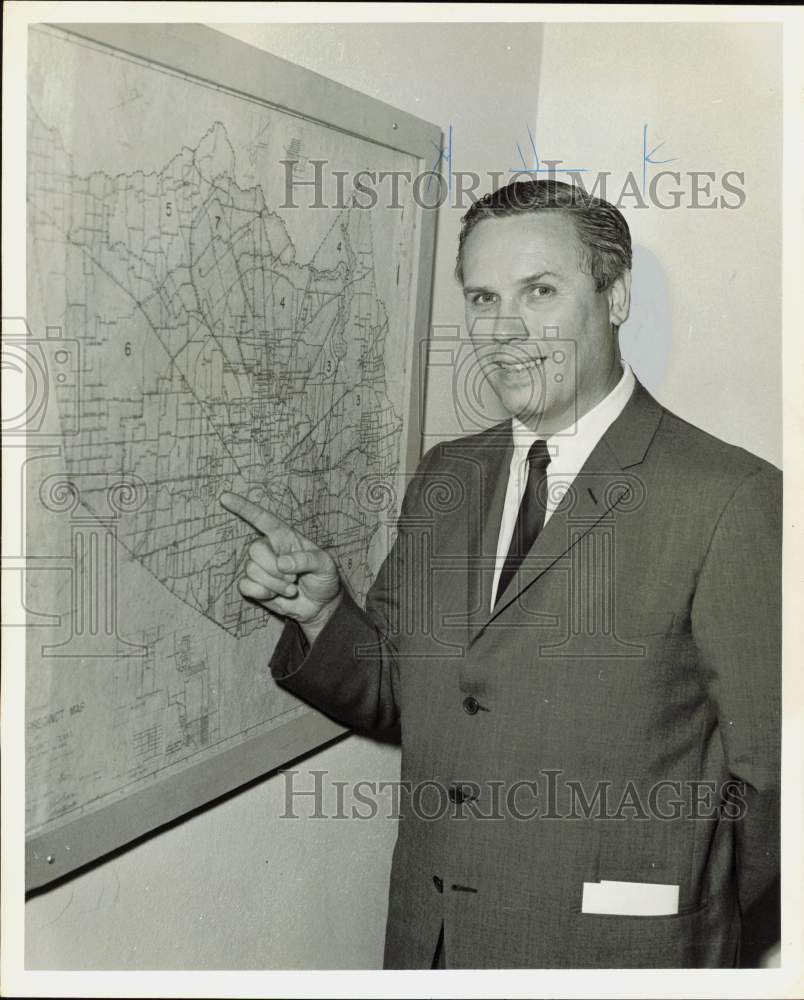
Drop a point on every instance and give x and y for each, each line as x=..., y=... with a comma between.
x=602, y=231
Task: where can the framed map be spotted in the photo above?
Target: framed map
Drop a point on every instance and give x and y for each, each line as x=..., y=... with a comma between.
x=215, y=302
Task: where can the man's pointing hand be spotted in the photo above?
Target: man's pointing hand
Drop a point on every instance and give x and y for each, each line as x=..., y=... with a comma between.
x=286, y=572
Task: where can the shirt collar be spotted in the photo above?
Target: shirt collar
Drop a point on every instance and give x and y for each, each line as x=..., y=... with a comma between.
x=590, y=427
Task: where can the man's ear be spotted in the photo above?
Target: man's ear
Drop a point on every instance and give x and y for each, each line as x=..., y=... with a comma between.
x=619, y=294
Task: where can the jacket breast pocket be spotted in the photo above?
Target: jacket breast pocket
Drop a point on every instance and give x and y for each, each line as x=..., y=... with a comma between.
x=683, y=911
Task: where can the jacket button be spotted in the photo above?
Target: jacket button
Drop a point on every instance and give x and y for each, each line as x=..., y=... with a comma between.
x=461, y=793
x=438, y=883
x=471, y=705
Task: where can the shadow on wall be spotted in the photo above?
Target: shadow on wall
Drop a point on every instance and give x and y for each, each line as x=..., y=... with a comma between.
x=646, y=339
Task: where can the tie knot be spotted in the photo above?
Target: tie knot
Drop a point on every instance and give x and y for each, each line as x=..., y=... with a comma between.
x=538, y=455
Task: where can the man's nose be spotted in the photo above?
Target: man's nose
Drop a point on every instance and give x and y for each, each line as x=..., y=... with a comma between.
x=508, y=327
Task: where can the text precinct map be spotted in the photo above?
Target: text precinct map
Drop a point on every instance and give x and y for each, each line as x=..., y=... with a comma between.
x=202, y=334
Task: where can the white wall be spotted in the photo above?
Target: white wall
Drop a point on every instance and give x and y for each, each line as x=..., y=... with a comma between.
x=707, y=281
x=236, y=887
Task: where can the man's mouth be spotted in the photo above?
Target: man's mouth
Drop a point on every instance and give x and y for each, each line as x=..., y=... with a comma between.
x=519, y=366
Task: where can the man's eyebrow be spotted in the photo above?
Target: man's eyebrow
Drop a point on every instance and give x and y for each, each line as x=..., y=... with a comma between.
x=531, y=278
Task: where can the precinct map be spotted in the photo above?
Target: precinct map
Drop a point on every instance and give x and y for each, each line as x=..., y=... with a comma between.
x=202, y=335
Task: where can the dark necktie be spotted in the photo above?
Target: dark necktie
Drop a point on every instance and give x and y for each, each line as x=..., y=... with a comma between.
x=530, y=519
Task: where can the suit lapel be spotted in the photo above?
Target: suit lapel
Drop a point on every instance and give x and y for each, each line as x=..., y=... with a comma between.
x=486, y=515
x=466, y=542
x=600, y=491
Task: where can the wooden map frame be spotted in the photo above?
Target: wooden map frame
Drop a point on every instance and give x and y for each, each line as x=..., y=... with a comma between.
x=211, y=57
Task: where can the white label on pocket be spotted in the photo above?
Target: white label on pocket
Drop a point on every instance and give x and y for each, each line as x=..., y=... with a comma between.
x=643, y=899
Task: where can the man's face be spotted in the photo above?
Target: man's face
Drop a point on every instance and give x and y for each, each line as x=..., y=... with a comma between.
x=522, y=274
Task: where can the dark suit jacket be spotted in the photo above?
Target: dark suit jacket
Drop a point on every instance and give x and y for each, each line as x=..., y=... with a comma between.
x=617, y=717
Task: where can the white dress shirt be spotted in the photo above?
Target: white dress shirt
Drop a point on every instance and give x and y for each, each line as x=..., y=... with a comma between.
x=569, y=450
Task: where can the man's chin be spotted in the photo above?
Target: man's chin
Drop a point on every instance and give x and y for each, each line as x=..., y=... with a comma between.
x=527, y=406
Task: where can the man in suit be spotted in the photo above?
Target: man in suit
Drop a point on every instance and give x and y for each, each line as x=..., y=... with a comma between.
x=577, y=630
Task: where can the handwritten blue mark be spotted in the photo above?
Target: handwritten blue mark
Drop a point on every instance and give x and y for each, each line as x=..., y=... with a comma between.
x=441, y=158
x=647, y=157
x=538, y=168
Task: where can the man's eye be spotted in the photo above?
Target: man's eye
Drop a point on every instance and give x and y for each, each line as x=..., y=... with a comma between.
x=484, y=299
x=540, y=291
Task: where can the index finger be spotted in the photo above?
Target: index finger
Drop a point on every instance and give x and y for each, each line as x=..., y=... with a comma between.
x=258, y=517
